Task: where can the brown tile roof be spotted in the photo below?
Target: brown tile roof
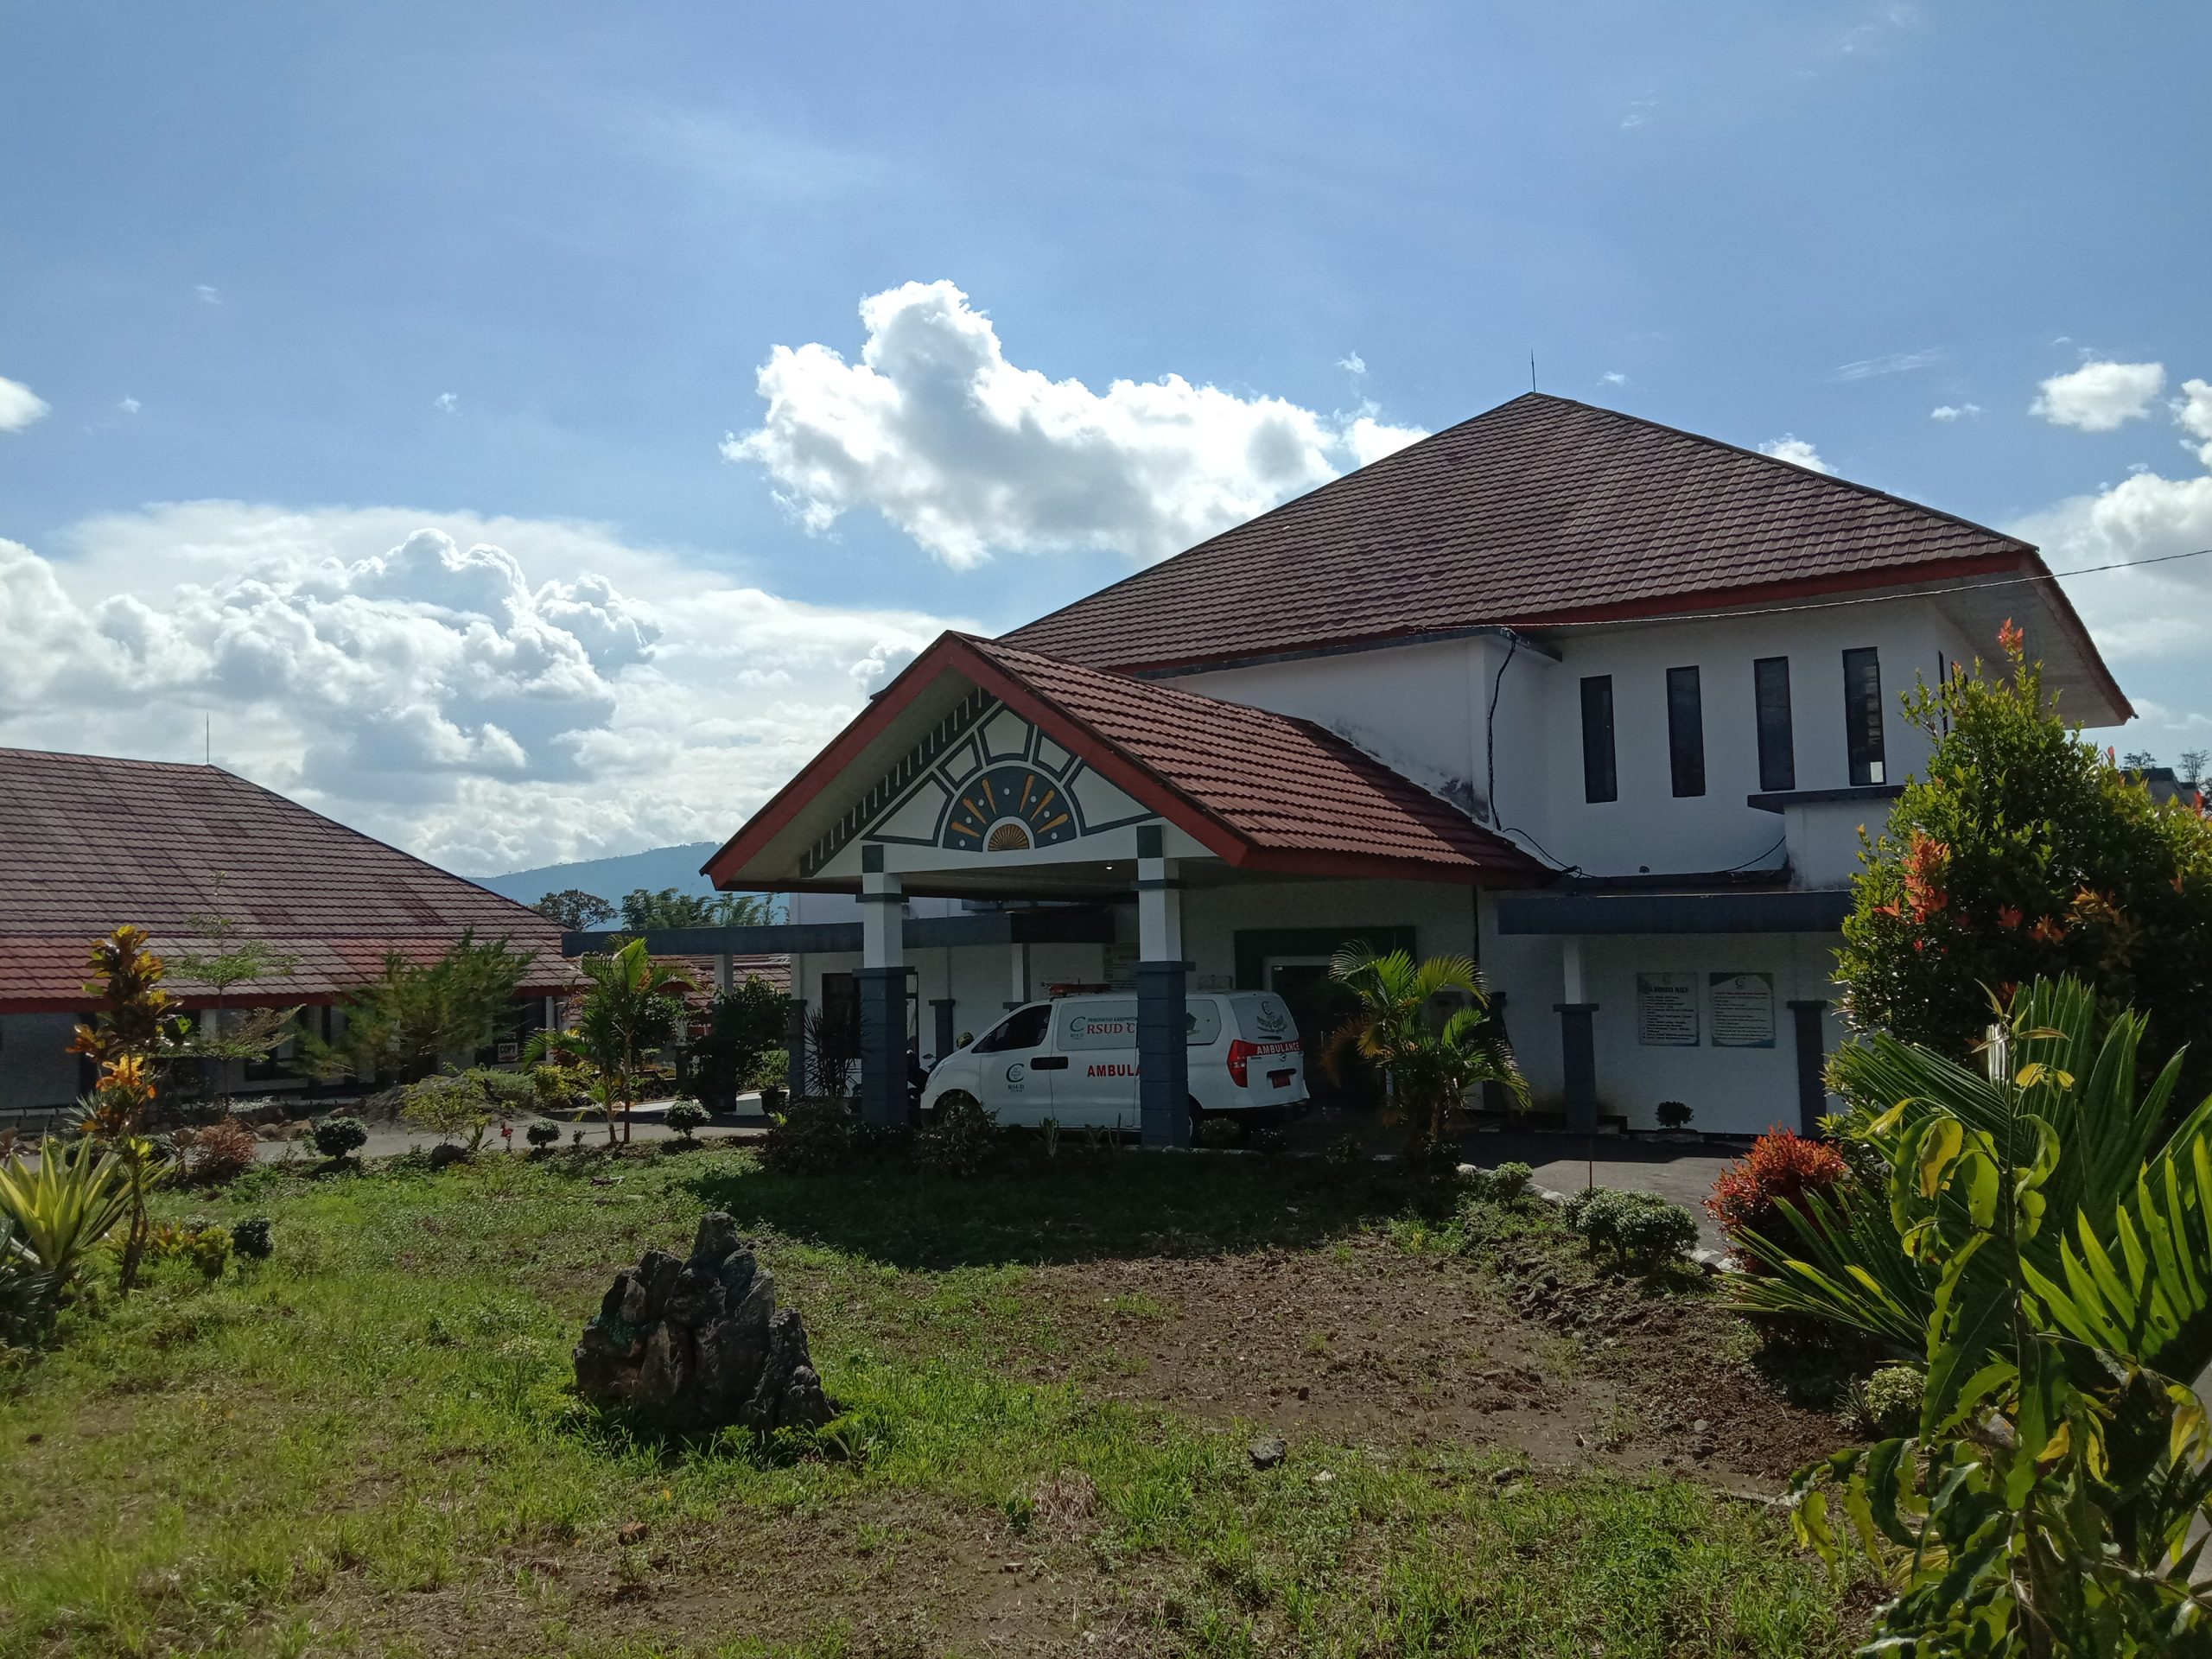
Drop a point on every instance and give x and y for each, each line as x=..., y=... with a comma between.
x=1539, y=509
x=700, y=970
x=92, y=842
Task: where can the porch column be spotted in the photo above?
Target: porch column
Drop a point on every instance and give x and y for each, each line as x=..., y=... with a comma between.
x=1812, y=1087
x=1163, y=1056
x=722, y=972
x=1578, y=1044
x=1017, y=989
x=941, y=1024
x=882, y=986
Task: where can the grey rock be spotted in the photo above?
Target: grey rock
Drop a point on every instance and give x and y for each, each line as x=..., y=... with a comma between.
x=610, y=1305
x=666, y=1375
x=697, y=1298
x=657, y=1270
x=607, y=1361
x=802, y=1404
x=715, y=1240
x=1268, y=1451
x=736, y=1271
x=445, y=1155
x=787, y=1352
x=636, y=1299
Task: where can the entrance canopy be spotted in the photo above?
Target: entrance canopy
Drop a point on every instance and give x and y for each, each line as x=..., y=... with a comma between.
x=985, y=771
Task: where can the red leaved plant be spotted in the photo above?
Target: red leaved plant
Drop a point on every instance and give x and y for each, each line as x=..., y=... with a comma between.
x=1782, y=1164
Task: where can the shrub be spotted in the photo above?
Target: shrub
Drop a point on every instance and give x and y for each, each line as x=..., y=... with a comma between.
x=560, y=1090
x=686, y=1117
x=339, y=1136
x=251, y=1237
x=206, y=1247
x=1673, y=1115
x=1636, y=1229
x=1780, y=1165
x=77, y=1193
x=508, y=1093
x=444, y=1106
x=1887, y=1403
x=1506, y=1185
x=812, y=1136
x=1270, y=1143
x=2021, y=852
x=216, y=1152
x=1343, y=1152
x=745, y=1025
x=541, y=1134
x=959, y=1142
x=1219, y=1132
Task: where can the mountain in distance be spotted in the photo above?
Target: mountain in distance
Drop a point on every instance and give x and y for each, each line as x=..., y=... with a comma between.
x=611, y=878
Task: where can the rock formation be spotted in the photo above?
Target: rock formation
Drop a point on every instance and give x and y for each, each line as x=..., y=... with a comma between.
x=700, y=1343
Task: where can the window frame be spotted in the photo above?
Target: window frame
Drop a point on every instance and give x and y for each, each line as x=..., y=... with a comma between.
x=1865, y=731
x=1686, y=732
x=1773, y=720
x=1601, y=777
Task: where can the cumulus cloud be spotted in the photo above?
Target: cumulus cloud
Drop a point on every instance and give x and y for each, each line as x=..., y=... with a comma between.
x=1796, y=451
x=971, y=455
x=446, y=403
x=2158, y=610
x=1954, y=412
x=130, y=405
x=490, y=693
x=19, y=405
x=2099, y=396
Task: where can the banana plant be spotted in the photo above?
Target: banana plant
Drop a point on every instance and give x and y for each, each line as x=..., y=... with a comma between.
x=2055, y=1497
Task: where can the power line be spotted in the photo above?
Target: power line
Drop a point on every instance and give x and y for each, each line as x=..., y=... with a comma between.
x=1570, y=621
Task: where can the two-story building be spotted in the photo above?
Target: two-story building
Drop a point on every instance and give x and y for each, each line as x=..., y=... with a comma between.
x=1602, y=704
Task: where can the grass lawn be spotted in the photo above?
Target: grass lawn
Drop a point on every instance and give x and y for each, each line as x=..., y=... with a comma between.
x=368, y=1443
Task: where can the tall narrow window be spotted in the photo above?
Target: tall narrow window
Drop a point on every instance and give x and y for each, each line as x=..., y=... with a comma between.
x=1862, y=716
x=1599, y=782
x=1777, y=743
x=1685, y=731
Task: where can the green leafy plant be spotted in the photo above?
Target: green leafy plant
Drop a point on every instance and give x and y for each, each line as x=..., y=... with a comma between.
x=206, y=1247
x=543, y=1133
x=60, y=1207
x=1637, y=1229
x=404, y=1022
x=745, y=1025
x=629, y=1009
x=2048, y=1257
x=2017, y=853
x=1427, y=1027
x=26, y=1288
x=133, y=1031
x=1507, y=1185
x=573, y=910
x=833, y=1048
x=1220, y=1133
x=1344, y=1154
x=1888, y=1402
x=339, y=1136
x=1048, y=1134
x=1673, y=1115
x=687, y=1118
x=253, y=1238
x=960, y=1141
x=445, y=1106
x=812, y=1137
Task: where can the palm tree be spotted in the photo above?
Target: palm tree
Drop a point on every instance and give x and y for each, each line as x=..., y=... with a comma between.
x=629, y=1008
x=1430, y=1051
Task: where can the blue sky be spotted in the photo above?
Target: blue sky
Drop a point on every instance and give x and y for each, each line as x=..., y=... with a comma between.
x=300, y=305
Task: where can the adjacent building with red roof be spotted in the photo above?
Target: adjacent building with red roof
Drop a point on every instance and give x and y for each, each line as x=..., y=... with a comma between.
x=1598, y=703
x=200, y=856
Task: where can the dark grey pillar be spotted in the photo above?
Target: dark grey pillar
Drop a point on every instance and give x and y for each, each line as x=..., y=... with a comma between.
x=1163, y=1054
x=1578, y=1049
x=1812, y=1087
x=883, y=1045
x=941, y=1009
x=795, y=1077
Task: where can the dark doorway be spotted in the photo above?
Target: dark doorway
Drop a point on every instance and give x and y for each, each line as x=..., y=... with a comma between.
x=1321, y=1007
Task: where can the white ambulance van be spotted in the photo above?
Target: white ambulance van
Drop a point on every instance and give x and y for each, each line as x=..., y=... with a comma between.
x=1074, y=1059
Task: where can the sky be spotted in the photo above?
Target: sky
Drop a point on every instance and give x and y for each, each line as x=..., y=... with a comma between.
x=528, y=432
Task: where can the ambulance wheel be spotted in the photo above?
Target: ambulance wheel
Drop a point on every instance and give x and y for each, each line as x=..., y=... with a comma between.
x=1198, y=1116
x=956, y=1098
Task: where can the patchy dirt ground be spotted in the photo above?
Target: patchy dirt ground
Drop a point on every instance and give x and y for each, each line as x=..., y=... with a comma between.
x=1369, y=1342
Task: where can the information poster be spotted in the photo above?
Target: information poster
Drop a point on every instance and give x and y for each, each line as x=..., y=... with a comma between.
x=1743, y=1010
x=1666, y=1010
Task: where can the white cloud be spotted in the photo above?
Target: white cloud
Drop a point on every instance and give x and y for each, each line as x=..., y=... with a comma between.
x=446, y=403
x=490, y=693
x=19, y=405
x=1352, y=363
x=1638, y=112
x=1954, y=412
x=206, y=294
x=1612, y=377
x=971, y=455
x=2193, y=414
x=1891, y=363
x=1797, y=452
x=2099, y=396
x=130, y=405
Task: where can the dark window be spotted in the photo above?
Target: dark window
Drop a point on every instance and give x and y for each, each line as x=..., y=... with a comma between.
x=1685, y=731
x=1021, y=1030
x=1862, y=716
x=1599, y=782
x=1777, y=744
x=841, y=1012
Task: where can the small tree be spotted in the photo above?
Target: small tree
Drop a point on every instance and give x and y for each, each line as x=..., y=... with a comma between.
x=135, y=1029
x=232, y=961
x=687, y=1118
x=643, y=908
x=744, y=1026
x=1430, y=1051
x=413, y=1015
x=572, y=909
x=629, y=1008
x=2019, y=852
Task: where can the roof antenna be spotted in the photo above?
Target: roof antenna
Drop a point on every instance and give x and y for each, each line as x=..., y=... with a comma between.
x=207, y=740
x=1532, y=370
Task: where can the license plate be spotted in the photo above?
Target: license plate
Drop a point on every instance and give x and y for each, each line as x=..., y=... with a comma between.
x=1281, y=1079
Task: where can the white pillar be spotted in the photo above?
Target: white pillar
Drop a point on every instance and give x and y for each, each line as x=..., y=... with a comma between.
x=1018, y=989
x=882, y=921
x=1160, y=912
x=722, y=970
x=883, y=994
x=1571, y=958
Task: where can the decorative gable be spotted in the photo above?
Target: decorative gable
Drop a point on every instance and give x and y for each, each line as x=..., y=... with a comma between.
x=986, y=782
